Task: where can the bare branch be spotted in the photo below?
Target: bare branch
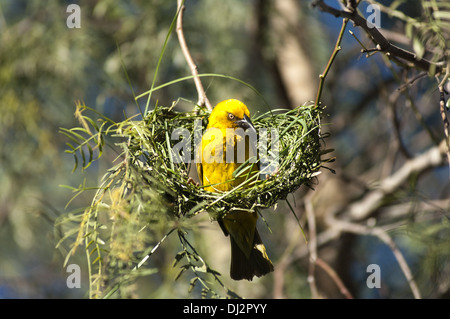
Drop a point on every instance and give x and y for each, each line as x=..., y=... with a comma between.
x=378, y=38
x=378, y=232
x=373, y=199
x=202, y=98
x=336, y=50
x=335, y=277
x=314, y=258
x=411, y=81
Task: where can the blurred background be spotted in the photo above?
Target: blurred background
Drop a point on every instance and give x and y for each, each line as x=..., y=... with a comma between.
x=280, y=48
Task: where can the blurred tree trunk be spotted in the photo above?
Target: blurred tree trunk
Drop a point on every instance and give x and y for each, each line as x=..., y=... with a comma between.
x=291, y=52
x=281, y=45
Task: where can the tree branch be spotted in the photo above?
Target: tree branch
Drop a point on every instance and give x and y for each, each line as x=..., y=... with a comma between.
x=365, y=206
x=313, y=255
x=202, y=98
x=382, y=43
x=350, y=227
x=373, y=199
x=335, y=277
x=336, y=50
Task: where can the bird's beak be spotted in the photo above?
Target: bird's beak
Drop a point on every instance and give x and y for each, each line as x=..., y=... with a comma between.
x=245, y=123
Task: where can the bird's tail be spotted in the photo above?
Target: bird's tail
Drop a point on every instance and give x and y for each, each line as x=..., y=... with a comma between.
x=257, y=264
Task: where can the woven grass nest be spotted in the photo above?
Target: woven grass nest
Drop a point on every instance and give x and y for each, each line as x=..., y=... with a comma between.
x=300, y=140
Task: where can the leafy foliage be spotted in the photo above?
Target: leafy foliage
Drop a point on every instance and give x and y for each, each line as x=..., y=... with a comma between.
x=428, y=32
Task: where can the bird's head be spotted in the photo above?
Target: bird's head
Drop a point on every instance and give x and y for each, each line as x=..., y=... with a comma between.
x=230, y=114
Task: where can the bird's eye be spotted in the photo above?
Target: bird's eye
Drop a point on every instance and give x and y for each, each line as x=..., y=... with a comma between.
x=230, y=116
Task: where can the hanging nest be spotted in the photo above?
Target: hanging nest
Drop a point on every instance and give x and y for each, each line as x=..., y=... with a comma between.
x=150, y=150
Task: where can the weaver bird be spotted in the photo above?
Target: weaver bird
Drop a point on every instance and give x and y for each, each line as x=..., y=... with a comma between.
x=215, y=170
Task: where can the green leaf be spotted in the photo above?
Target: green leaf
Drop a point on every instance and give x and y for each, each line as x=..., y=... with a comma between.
x=97, y=260
x=192, y=284
x=409, y=30
x=183, y=268
x=178, y=257
x=418, y=47
x=441, y=15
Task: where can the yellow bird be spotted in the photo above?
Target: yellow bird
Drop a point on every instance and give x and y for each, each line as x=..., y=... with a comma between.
x=215, y=170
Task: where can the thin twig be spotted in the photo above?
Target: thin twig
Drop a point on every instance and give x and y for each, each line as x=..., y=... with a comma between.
x=374, y=198
x=313, y=256
x=336, y=50
x=143, y=260
x=392, y=102
x=335, y=277
x=379, y=39
x=411, y=81
x=202, y=98
x=378, y=232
